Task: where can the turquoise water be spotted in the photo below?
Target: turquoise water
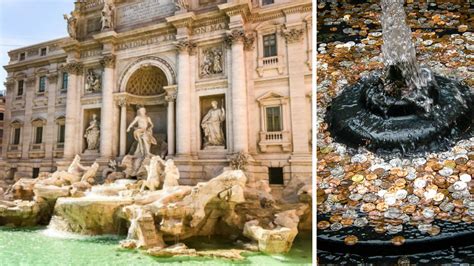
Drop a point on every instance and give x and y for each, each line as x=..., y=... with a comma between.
x=38, y=247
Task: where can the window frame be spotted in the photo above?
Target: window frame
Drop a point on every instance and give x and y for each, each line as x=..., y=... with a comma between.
x=22, y=56
x=264, y=3
x=14, y=136
x=273, y=52
x=22, y=82
x=280, y=109
x=38, y=137
x=45, y=49
x=42, y=89
x=64, y=81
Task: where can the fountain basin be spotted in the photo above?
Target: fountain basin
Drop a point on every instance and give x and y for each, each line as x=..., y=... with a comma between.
x=355, y=119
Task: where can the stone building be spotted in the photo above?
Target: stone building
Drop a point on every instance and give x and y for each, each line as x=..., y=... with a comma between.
x=250, y=59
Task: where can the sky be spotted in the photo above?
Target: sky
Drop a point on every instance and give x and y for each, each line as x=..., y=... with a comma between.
x=27, y=22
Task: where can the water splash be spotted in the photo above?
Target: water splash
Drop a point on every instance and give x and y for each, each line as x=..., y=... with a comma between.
x=403, y=76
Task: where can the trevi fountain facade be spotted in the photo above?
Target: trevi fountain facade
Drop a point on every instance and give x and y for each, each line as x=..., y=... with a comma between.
x=164, y=120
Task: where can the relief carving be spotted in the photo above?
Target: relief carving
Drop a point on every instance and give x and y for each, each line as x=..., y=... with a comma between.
x=212, y=62
x=93, y=82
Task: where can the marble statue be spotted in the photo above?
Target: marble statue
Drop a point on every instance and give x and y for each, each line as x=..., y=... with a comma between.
x=181, y=5
x=92, y=82
x=212, y=126
x=171, y=174
x=154, y=172
x=71, y=25
x=92, y=134
x=212, y=63
x=107, y=18
x=142, y=133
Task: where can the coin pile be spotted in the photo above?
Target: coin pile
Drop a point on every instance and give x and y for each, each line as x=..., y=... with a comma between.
x=359, y=188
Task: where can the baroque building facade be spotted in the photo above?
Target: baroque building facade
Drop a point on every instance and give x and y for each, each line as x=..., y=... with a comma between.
x=216, y=78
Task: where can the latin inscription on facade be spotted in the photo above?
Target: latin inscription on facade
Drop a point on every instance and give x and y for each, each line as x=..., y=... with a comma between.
x=144, y=11
x=147, y=41
x=209, y=28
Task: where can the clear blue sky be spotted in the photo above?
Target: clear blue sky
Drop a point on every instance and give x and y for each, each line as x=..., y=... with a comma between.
x=26, y=22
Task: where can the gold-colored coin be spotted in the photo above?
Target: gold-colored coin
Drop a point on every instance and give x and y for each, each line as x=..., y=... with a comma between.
x=357, y=178
x=347, y=221
x=350, y=240
x=335, y=218
x=367, y=207
x=435, y=230
x=400, y=182
x=322, y=225
x=398, y=240
x=450, y=164
x=371, y=176
x=382, y=206
x=380, y=229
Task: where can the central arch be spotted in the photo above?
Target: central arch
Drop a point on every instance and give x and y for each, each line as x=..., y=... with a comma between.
x=163, y=65
x=143, y=84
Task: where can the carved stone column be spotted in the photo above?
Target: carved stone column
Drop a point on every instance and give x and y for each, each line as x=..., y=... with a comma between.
x=170, y=98
x=75, y=69
x=183, y=110
x=106, y=117
x=123, y=126
x=238, y=40
x=296, y=66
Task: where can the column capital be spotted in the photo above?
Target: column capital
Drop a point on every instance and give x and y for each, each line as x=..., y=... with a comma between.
x=170, y=93
x=74, y=68
x=122, y=101
x=185, y=46
x=240, y=36
x=293, y=35
x=108, y=61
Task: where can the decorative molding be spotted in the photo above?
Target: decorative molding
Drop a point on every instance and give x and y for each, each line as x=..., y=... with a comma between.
x=108, y=61
x=140, y=100
x=30, y=81
x=293, y=35
x=74, y=68
x=53, y=77
x=165, y=66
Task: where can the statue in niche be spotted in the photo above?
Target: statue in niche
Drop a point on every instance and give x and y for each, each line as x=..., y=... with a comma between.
x=92, y=134
x=92, y=82
x=212, y=63
x=142, y=133
x=107, y=18
x=181, y=5
x=212, y=126
x=71, y=25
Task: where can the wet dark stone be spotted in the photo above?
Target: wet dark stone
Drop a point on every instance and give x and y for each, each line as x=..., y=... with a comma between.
x=455, y=241
x=364, y=114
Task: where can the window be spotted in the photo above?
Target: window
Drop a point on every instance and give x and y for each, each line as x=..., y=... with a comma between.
x=22, y=56
x=42, y=84
x=43, y=51
x=1, y=116
x=267, y=2
x=269, y=45
x=62, y=130
x=21, y=84
x=12, y=173
x=16, y=136
x=275, y=176
x=39, y=135
x=64, y=84
x=273, y=118
x=36, y=172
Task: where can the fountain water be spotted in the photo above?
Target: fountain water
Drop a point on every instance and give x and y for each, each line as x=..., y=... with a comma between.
x=404, y=107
